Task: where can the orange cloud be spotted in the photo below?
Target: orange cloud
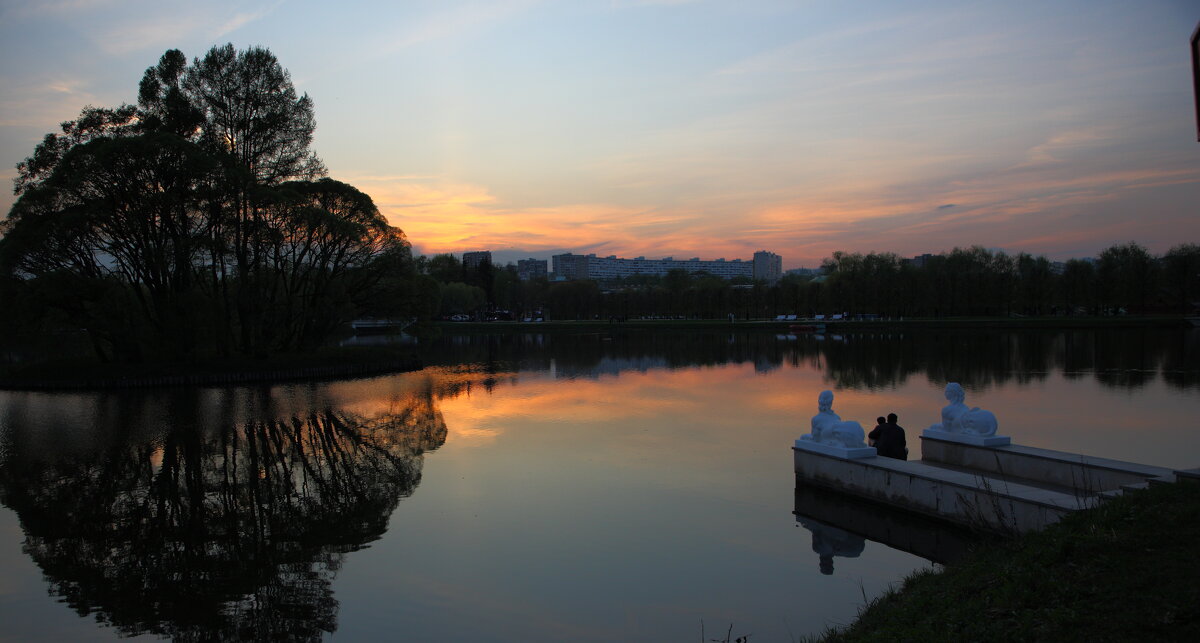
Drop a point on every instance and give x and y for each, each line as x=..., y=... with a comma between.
x=858, y=211
x=446, y=216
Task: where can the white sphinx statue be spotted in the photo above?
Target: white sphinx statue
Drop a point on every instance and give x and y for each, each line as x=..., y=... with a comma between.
x=829, y=428
x=958, y=418
x=966, y=424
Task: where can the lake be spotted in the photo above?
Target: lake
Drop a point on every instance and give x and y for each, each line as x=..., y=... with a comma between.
x=617, y=485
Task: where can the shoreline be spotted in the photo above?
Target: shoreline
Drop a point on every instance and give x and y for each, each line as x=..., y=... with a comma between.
x=83, y=374
x=87, y=375
x=968, y=323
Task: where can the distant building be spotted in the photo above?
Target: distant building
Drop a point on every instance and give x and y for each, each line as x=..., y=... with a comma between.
x=474, y=259
x=768, y=266
x=531, y=269
x=568, y=267
x=572, y=266
x=919, y=261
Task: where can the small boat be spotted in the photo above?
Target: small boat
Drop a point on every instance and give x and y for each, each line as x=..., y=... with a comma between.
x=807, y=328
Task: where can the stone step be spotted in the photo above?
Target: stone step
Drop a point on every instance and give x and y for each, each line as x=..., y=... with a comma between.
x=1135, y=486
x=993, y=477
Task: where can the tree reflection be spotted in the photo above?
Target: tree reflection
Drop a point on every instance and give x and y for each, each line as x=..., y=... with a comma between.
x=234, y=534
x=862, y=360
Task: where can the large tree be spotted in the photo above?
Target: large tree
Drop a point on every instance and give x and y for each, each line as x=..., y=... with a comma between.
x=201, y=216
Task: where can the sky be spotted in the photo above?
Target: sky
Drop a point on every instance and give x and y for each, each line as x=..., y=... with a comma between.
x=691, y=128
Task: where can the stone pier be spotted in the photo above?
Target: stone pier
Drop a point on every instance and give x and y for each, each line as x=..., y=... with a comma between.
x=976, y=499
x=967, y=474
x=1009, y=488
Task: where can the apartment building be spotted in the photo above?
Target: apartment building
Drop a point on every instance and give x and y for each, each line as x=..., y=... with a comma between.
x=531, y=269
x=474, y=259
x=568, y=266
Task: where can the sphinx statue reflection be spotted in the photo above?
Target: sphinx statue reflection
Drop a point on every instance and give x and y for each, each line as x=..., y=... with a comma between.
x=841, y=524
x=829, y=541
x=230, y=534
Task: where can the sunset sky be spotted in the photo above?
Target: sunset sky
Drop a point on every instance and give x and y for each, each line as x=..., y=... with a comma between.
x=677, y=128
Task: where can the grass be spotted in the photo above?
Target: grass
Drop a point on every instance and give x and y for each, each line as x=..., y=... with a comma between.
x=1126, y=570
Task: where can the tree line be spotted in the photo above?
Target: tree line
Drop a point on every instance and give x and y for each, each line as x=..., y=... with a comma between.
x=1123, y=279
x=197, y=222
x=964, y=282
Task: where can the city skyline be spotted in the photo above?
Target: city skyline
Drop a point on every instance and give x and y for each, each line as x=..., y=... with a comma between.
x=512, y=258
x=676, y=128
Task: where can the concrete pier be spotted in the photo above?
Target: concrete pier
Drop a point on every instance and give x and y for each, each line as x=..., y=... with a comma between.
x=972, y=499
x=1007, y=489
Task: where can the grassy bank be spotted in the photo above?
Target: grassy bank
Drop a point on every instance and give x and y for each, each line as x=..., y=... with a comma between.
x=84, y=373
x=1127, y=570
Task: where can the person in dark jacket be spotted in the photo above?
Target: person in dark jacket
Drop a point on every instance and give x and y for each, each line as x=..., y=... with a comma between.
x=879, y=422
x=888, y=439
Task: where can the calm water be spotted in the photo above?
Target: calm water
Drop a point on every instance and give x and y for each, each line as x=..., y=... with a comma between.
x=599, y=487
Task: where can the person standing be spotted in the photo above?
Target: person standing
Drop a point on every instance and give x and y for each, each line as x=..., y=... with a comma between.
x=888, y=439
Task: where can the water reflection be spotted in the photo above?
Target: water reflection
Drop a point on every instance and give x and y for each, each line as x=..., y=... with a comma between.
x=235, y=521
x=829, y=541
x=841, y=525
x=1124, y=358
x=232, y=533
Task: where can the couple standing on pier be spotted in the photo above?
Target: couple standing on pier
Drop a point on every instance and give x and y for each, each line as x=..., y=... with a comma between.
x=888, y=438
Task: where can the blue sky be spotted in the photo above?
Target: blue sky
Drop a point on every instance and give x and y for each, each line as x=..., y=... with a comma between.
x=708, y=129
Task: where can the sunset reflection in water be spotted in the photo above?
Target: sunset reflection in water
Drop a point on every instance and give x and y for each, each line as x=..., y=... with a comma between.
x=592, y=487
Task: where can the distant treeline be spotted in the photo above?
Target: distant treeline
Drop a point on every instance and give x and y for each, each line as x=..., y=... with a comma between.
x=1124, y=279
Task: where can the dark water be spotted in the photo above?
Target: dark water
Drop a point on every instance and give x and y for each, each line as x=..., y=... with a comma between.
x=610, y=486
